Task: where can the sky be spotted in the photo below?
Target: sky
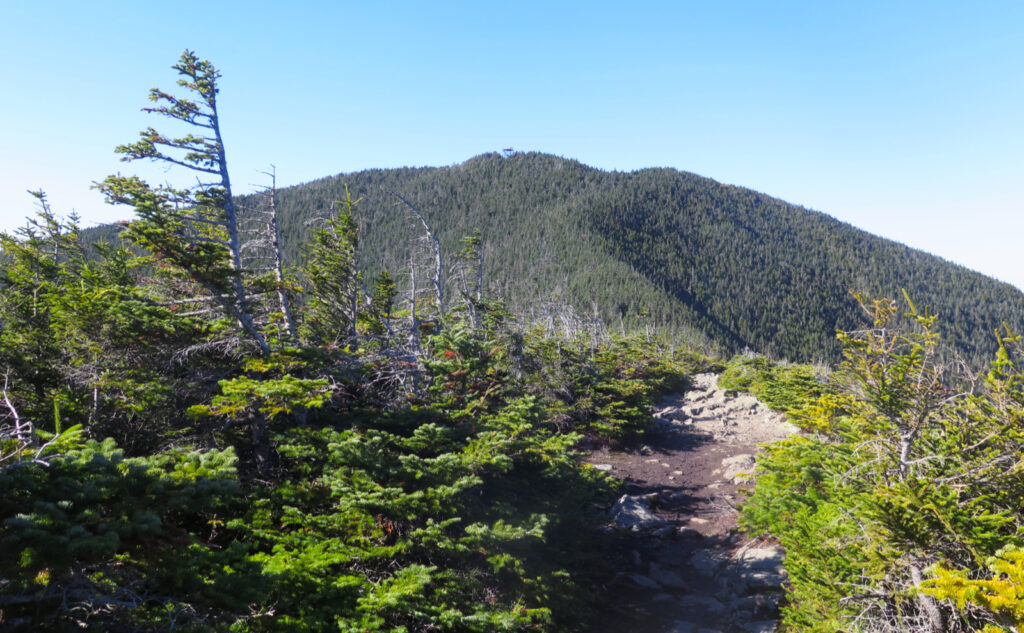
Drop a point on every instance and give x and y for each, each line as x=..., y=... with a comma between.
x=905, y=119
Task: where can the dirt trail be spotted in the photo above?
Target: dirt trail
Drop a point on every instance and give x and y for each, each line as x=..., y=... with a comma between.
x=682, y=566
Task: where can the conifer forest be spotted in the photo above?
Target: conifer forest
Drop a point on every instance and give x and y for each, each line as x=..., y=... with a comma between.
x=365, y=403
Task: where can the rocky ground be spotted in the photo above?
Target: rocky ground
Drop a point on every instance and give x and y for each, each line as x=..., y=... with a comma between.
x=682, y=566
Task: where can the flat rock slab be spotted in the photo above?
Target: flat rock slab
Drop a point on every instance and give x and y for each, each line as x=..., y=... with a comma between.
x=761, y=558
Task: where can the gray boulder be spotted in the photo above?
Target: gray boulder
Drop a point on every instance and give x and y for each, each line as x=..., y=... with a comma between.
x=739, y=468
x=633, y=512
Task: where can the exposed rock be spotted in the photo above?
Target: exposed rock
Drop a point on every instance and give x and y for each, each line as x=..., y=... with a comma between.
x=765, y=605
x=705, y=563
x=666, y=577
x=697, y=576
x=701, y=604
x=689, y=533
x=761, y=558
x=603, y=467
x=761, y=626
x=740, y=403
x=741, y=582
x=739, y=468
x=663, y=532
x=633, y=512
x=763, y=581
x=667, y=412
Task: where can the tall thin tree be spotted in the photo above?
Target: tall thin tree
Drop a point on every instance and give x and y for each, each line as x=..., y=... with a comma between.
x=195, y=228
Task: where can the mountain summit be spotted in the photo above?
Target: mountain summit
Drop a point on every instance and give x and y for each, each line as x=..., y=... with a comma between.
x=712, y=262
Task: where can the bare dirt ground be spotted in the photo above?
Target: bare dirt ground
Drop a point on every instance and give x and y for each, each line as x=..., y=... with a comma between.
x=681, y=564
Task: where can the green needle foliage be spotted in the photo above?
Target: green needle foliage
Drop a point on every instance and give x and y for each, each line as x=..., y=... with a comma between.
x=389, y=473
x=909, y=468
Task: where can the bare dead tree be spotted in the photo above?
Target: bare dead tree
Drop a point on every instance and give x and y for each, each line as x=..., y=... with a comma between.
x=264, y=256
x=19, y=443
x=435, y=244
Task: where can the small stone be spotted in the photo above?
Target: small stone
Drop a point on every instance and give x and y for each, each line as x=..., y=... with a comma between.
x=603, y=467
x=677, y=472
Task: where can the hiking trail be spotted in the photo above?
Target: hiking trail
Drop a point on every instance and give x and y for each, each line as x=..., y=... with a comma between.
x=682, y=566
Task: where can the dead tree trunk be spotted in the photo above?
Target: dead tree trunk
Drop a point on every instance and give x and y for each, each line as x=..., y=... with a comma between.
x=436, y=247
x=274, y=234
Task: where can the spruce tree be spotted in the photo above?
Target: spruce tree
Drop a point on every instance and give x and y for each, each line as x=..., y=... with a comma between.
x=195, y=228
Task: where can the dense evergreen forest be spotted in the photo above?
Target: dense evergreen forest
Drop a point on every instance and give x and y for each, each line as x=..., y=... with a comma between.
x=380, y=426
x=720, y=266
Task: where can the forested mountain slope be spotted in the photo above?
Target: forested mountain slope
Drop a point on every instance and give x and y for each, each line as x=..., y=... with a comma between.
x=739, y=267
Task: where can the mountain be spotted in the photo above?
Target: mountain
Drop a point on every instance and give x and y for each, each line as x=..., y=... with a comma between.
x=708, y=262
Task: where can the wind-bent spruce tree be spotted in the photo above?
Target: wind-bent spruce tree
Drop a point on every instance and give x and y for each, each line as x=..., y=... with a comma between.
x=194, y=228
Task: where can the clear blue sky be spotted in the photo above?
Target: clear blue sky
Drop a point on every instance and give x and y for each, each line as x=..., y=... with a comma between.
x=905, y=119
